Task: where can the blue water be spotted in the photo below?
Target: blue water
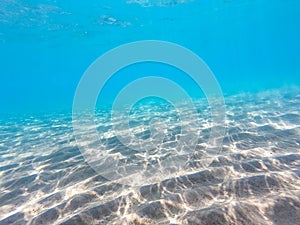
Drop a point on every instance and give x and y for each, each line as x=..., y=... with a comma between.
x=229, y=153
x=47, y=45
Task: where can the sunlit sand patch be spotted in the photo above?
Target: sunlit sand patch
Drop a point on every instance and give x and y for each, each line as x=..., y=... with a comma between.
x=254, y=180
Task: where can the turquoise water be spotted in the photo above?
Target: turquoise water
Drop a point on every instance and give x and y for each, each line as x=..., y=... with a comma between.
x=47, y=45
x=222, y=151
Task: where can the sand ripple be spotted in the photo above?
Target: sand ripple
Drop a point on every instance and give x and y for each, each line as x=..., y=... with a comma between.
x=254, y=180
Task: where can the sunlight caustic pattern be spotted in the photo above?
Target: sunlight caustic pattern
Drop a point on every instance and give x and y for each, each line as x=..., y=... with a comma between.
x=148, y=159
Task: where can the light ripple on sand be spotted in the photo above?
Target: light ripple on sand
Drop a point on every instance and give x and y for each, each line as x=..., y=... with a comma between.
x=255, y=180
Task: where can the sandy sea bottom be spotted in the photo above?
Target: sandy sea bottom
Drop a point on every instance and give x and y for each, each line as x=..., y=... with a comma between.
x=44, y=178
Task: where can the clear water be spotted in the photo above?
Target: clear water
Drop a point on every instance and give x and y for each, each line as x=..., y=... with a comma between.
x=51, y=175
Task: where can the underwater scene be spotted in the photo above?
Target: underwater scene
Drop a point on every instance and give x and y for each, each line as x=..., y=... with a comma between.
x=171, y=112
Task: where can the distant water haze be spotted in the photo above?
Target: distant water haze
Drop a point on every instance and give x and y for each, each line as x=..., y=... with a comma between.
x=46, y=47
